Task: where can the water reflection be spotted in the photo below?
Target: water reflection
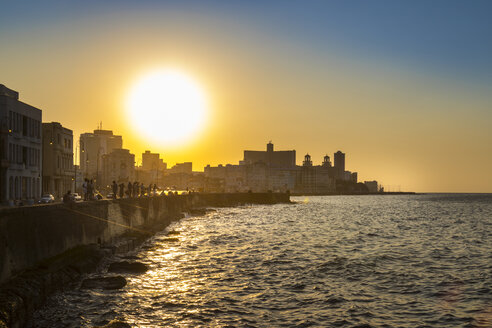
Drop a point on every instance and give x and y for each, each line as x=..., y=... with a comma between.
x=401, y=261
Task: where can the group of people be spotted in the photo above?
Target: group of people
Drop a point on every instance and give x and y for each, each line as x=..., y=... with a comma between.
x=88, y=189
x=133, y=190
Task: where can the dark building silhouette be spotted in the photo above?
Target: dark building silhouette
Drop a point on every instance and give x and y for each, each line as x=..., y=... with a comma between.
x=316, y=179
x=326, y=161
x=307, y=161
x=278, y=159
x=92, y=148
x=119, y=166
x=58, y=170
x=20, y=148
x=339, y=164
x=261, y=171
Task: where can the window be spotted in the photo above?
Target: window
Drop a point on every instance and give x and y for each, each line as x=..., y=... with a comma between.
x=24, y=156
x=24, y=125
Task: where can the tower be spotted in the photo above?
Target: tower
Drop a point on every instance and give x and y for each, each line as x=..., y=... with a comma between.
x=340, y=164
x=326, y=161
x=307, y=161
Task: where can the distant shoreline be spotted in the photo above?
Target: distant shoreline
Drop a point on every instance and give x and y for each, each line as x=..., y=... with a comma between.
x=358, y=193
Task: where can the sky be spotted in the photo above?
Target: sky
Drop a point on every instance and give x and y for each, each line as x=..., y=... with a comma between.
x=404, y=88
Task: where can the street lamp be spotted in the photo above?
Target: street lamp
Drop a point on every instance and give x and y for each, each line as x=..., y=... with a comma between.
x=77, y=146
x=97, y=165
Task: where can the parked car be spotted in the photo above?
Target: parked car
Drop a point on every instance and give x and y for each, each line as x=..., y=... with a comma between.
x=47, y=198
x=110, y=195
x=77, y=197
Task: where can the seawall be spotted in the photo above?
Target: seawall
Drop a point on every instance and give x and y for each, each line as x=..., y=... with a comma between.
x=44, y=246
x=29, y=235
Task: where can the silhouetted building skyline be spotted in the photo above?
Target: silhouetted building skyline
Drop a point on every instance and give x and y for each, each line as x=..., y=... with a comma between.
x=253, y=173
x=272, y=158
x=40, y=157
x=92, y=147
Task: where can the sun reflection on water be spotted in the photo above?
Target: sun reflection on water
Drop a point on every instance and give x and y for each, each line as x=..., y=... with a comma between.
x=334, y=261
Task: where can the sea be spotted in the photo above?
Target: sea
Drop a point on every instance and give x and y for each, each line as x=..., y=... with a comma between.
x=324, y=261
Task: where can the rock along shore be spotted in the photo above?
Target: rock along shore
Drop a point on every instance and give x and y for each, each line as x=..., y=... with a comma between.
x=44, y=248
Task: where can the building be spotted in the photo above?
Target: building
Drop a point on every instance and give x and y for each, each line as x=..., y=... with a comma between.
x=152, y=161
x=239, y=178
x=265, y=171
x=315, y=179
x=326, y=161
x=186, y=167
x=20, y=148
x=339, y=165
x=119, y=166
x=92, y=148
x=58, y=171
x=152, y=169
x=307, y=161
x=278, y=159
x=79, y=179
x=372, y=186
x=282, y=180
x=353, y=177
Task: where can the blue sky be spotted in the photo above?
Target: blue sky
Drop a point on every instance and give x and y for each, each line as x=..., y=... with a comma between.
x=451, y=38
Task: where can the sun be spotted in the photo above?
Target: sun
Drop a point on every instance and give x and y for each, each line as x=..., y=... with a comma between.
x=167, y=106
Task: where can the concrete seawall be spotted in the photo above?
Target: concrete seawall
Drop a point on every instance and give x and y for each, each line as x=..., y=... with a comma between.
x=29, y=235
x=44, y=248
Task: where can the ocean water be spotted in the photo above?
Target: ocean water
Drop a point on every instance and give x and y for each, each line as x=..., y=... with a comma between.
x=335, y=261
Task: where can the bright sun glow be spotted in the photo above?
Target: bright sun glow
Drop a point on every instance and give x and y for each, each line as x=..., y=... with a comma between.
x=167, y=106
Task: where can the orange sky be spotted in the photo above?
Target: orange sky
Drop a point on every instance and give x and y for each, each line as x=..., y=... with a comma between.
x=400, y=125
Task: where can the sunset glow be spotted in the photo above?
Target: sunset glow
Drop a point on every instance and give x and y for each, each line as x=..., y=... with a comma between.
x=167, y=107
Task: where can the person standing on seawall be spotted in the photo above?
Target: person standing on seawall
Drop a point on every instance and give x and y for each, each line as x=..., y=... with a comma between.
x=90, y=190
x=122, y=190
x=115, y=190
x=129, y=190
x=84, y=188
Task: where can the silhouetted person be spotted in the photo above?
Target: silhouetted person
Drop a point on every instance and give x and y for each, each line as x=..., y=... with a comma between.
x=115, y=189
x=130, y=190
x=135, y=189
x=90, y=189
x=155, y=189
x=122, y=190
x=142, y=190
x=84, y=188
